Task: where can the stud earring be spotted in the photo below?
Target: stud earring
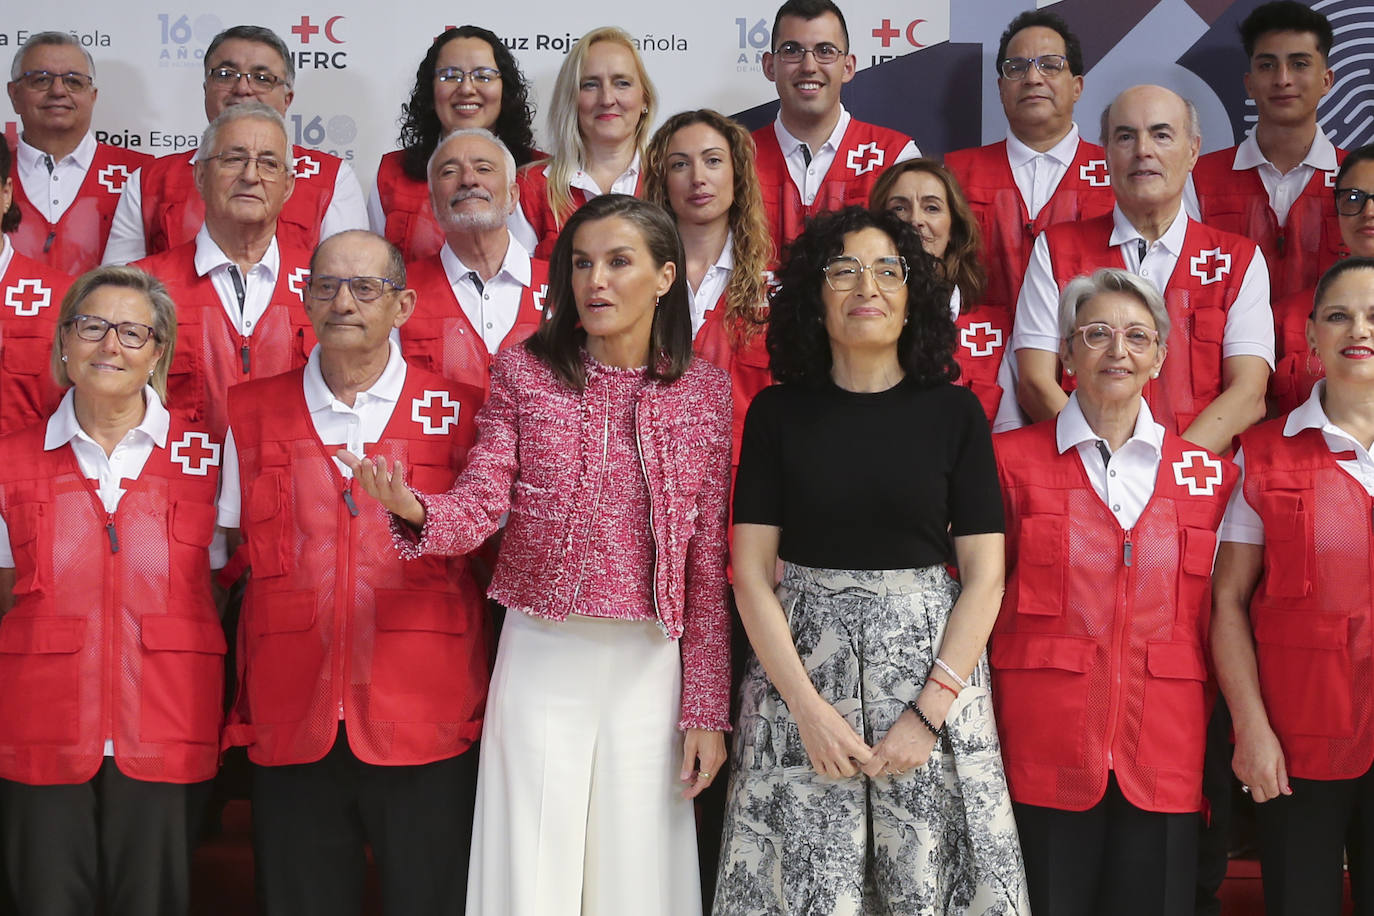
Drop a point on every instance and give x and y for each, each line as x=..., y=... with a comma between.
x=64, y=357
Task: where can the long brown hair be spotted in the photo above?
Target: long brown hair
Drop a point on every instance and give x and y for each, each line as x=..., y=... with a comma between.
x=962, y=264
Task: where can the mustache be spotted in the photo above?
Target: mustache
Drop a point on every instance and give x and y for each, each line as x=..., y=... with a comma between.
x=467, y=194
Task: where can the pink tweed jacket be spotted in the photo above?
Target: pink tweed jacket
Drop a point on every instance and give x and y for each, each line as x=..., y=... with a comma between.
x=538, y=455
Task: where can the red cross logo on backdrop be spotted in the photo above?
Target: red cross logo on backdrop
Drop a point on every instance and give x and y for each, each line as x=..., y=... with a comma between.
x=305, y=30
x=1199, y=472
x=28, y=297
x=1094, y=172
x=538, y=295
x=858, y=164
x=980, y=338
x=295, y=281
x=436, y=412
x=196, y=453
x=306, y=167
x=112, y=177
x=1210, y=266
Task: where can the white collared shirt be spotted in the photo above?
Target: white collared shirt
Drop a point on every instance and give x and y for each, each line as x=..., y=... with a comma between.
x=258, y=283
x=809, y=177
x=1038, y=174
x=706, y=296
x=6, y=255
x=520, y=226
x=52, y=193
x=1282, y=187
x=1242, y=523
x=493, y=310
x=337, y=424
x=1126, y=482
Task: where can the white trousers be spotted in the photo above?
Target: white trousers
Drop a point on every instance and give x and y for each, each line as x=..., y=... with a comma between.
x=579, y=806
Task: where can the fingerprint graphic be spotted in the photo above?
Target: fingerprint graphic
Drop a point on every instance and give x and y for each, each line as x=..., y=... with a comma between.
x=1347, y=112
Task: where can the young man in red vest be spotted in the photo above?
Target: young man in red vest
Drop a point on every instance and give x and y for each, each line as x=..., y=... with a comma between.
x=1275, y=186
x=68, y=184
x=159, y=210
x=482, y=292
x=363, y=677
x=1043, y=172
x=816, y=157
x=1214, y=283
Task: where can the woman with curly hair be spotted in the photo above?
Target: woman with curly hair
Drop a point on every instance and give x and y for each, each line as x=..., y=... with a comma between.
x=468, y=78
x=603, y=103
x=868, y=777
x=925, y=194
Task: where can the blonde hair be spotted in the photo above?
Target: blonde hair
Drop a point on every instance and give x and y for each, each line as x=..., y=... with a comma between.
x=159, y=303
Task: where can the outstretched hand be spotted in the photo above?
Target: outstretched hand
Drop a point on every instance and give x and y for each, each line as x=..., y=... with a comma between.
x=386, y=484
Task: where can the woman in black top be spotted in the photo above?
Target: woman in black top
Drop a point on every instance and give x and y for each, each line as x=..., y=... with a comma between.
x=868, y=777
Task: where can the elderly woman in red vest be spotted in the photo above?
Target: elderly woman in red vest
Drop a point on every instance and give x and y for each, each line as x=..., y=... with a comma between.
x=1098, y=656
x=111, y=651
x=1292, y=631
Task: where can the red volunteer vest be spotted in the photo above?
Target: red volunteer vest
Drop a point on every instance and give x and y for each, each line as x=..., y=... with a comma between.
x=1099, y=652
x=76, y=242
x=533, y=180
x=864, y=152
x=1201, y=289
x=1311, y=612
x=211, y=356
x=1296, y=369
x=30, y=299
x=110, y=643
x=334, y=624
x=438, y=336
x=747, y=366
x=1007, y=229
x=982, y=335
x=1296, y=252
x=410, y=222
x=173, y=211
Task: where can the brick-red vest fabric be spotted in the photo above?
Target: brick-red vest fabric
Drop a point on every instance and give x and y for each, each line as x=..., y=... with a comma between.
x=865, y=150
x=1296, y=369
x=76, y=242
x=30, y=299
x=438, y=336
x=211, y=356
x=410, y=222
x=335, y=625
x=102, y=643
x=1313, y=609
x=1008, y=232
x=983, y=332
x=173, y=211
x=1099, y=652
x=1296, y=252
x=747, y=366
x=533, y=180
x=1201, y=290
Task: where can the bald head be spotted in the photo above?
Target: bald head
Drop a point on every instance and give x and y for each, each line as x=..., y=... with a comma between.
x=1152, y=140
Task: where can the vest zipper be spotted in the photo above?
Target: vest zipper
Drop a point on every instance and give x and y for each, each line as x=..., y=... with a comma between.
x=348, y=499
x=245, y=355
x=596, y=499
x=344, y=608
x=653, y=534
x=52, y=237
x=1118, y=640
x=111, y=533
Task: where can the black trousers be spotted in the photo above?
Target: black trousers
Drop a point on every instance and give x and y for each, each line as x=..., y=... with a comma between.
x=1113, y=858
x=1304, y=838
x=113, y=844
x=312, y=823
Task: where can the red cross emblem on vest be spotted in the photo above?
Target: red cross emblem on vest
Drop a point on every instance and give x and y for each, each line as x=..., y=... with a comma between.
x=112, y=177
x=1210, y=266
x=295, y=281
x=1330, y=177
x=858, y=164
x=306, y=167
x=538, y=296
x=28, y=297
x=1199, y=472
x=435, y=412
x=196, y=453
x=1094, y=172
x=980, y=338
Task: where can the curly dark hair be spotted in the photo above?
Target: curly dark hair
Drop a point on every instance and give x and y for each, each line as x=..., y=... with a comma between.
x=798, y=345
x=420, y=127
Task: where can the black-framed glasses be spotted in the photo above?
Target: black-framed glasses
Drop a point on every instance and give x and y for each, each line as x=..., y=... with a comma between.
x=1099, y=336
x=1351, y=201
x=792, y=52
x=364, y=289
x=42, y=80
x=479, y=75
x=845, y=273
x=268, y=168
x=130, y=334
x=1016, y=68
x=260, y=81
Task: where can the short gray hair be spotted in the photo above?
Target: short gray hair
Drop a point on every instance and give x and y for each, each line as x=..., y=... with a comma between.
x=263, y=36
x=473, y=132
x=1194, y=124
x=252, y=109
x=1110, y=280
x=41, y=39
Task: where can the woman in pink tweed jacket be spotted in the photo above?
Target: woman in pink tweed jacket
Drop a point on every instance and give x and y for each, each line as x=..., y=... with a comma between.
x=609, y=446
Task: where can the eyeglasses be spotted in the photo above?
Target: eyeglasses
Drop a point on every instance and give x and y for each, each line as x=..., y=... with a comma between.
x=364, y=289
x=260, y=81
x=1351, y=201
x=844, y=273
x=42, y=80
x=479, y=75
x=1099, y=336
x=268, y=169
x=1016, y=68
x=791, y=52
x=130, y=334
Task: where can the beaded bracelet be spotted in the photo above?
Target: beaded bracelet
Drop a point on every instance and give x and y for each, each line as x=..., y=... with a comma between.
x=944, y=666
x=937, y=732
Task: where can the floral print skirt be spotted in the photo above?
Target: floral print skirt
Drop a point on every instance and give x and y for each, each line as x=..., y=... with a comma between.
x=939, y=839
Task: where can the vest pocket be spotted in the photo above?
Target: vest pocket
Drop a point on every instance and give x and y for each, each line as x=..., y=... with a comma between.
x=1208, y=327
x=284, y=668
x=182, y=685
x=1196, y=548
x=1173, y=728
x=1041, y=694
x=267, y=512
x=1042, y=546
x=1305, y=671
x=1287, y=560
x=40, y=679
x=426, y=666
